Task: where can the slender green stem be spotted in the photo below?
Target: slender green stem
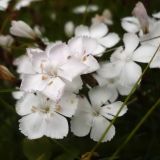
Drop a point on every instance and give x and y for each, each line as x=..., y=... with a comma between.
x=135, y=129
x=7, y=90
x=150, y=39
x=85, y=13
x=123, y=105
x=4, y=24
x=110, y=50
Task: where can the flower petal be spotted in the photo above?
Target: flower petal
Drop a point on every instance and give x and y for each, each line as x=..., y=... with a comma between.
x=131, y=42
x=39, y=61
x=24, y=65
x=99, y=96
x=130, y=74
x=81, y=124
x=17, y=94
x=71, y=69
x=110, y=110
x=25, y=104
x=130, y=24
x=54, y=89
x=101, y=81
x=33, y=82
x=98, y=30
x=110, y=69
x=91, y=63
x=75, y=85
x=124, y=90
x=32, y=125
x=68, y=104
x=110, y=40
x=82, y=31
x=99, y=50
x=144, y=53
x=56, y=126
x=76, y=46
x=58, y=53
x=99, y=126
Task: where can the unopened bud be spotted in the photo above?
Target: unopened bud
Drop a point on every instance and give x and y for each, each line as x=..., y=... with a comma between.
x=5, y=74
x=140, y=12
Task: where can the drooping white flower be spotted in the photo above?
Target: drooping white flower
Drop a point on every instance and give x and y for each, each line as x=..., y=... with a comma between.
x=21, y=29
x=122, y=63
x=23, y=3
x=83, y=8
x=69, y=28
x=6, y=41
x=84, y=49
x=42, y=116
x=94, y=117
x=105, y=18
x=51, y=68
x=99, y=32
x=4, y=4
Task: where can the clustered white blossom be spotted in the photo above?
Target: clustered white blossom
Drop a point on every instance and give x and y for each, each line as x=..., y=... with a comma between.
x=50, y=100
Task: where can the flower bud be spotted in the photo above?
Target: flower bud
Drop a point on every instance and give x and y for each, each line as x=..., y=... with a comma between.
x=5, y=74
x=140, y=12
x=6, y=41
x=21, y=29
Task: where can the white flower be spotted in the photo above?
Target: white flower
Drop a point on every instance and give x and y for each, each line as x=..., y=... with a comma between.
x=69, y=28
x=6, y=41
x=99, y=32
x=23, y=3
x=51, y=68
x=105, y=18
x=21, y=29
x=151, y=37
x=4, y=4
x=83, y=49
x=122, y=63
x=82, y=9
x=147, y=39
x=42, y=116
x=94, y=117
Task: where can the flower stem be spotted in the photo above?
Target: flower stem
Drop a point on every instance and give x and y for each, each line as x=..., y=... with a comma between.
x=85, y=13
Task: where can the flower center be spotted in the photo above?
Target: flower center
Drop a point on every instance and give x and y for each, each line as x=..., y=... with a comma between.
x=45, y=109
x=96, y=111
